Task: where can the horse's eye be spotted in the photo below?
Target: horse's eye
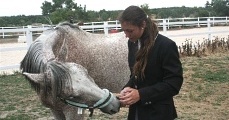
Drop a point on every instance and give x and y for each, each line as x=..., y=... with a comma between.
x=49, y=75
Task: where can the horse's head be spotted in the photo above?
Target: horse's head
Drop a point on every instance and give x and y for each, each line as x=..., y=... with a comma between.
x=70, y=83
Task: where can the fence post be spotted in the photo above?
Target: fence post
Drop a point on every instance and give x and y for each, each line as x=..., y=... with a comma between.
x=24, y=31
x=213, y=19
x=105, y=28
x=226, y=20
x=3, y=34
x=116, y=24
x=209, y=28
x=164, y=26
x=29, y=36
x=93, y=29
x=198, y=21
x=168, y=23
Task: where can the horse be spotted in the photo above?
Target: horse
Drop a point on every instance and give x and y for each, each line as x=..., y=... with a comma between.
x=101, y=61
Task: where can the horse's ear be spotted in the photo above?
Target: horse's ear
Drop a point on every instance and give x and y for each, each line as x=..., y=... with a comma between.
x=37, y=78
x=63, y=53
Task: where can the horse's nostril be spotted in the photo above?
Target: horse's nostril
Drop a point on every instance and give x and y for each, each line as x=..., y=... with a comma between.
x=117, y=97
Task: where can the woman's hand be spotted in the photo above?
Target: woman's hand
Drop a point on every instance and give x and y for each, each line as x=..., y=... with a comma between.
x=129, y=96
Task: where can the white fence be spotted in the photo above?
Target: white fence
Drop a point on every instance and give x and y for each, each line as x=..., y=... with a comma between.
x=105, y=27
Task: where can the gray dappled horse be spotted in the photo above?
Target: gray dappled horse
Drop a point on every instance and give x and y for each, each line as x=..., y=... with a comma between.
x=62, y=63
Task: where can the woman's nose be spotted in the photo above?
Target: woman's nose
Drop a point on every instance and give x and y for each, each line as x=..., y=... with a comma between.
x=127, y=35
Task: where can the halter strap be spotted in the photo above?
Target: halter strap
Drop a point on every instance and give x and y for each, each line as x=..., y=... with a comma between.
x=100, y=104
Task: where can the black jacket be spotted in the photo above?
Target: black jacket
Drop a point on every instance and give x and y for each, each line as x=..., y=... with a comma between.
x=163, y=80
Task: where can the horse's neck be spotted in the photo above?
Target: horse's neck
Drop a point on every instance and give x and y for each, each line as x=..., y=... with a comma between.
x=98, y=45
x=105, y=58
x=48, y=43
x=106, y=41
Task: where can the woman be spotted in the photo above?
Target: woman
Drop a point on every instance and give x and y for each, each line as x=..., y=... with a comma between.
x=156, y=70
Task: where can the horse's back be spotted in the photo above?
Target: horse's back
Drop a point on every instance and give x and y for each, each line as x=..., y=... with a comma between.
x=106, y=59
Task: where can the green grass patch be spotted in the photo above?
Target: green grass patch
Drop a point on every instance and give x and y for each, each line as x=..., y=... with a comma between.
x=212, y=69
x=18, y=100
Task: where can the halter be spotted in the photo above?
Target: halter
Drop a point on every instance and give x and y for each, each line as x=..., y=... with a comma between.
x=100, y=104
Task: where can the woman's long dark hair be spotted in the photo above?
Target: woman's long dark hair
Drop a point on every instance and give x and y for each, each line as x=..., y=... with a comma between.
x=136, y=16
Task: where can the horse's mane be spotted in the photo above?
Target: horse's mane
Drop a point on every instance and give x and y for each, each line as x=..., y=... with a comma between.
x=35, y=62
x=61, y=77
x=68, y=24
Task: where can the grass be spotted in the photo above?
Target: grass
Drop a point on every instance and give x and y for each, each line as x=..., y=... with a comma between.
x=204, y=94
x=213, y=69
x=18, y=101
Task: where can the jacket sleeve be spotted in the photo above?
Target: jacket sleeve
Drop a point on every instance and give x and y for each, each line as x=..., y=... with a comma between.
x=172, y=77
x=130, y=83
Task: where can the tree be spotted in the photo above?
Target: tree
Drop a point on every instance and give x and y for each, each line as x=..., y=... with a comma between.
x=220, y=7
x=70, y=4
x=145, y=7
x=58, y=4
x=3, y=23
x=61, y=10
x=46, y=8
x=204, y=13
x=60, y=15
x=103, y=15
x=208, y=4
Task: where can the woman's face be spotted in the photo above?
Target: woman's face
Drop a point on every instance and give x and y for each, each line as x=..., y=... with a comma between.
x=132, y=32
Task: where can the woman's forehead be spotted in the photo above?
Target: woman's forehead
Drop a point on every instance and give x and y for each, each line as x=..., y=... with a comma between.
x=128, y=25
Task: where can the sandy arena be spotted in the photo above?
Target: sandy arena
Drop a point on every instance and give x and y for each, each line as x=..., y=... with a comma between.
x=15, y=57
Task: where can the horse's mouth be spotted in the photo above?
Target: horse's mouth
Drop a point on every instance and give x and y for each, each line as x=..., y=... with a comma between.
x=113, y=112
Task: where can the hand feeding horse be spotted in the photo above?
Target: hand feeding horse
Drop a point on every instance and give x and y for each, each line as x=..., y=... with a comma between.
x=67, y=67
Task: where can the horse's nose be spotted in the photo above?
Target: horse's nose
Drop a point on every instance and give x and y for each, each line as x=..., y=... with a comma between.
x=116, y=110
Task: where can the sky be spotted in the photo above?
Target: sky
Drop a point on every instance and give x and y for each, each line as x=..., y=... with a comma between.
x=33, y=7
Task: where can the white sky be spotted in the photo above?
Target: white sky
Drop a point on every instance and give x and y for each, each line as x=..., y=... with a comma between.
x=32, y=7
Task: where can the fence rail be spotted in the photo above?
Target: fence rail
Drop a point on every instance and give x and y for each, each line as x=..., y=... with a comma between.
x=164, y=24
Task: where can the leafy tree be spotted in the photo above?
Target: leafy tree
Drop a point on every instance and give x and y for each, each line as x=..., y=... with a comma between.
x=220, y=7
x=58, y=4
x=63, y=10
x=208, y=4
x=91, y=16
x=3, y=22
x=46, y=8
x=204, y=13
x=60, y=15
x=103, y=15
x=70, y=4
x=145, y=7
